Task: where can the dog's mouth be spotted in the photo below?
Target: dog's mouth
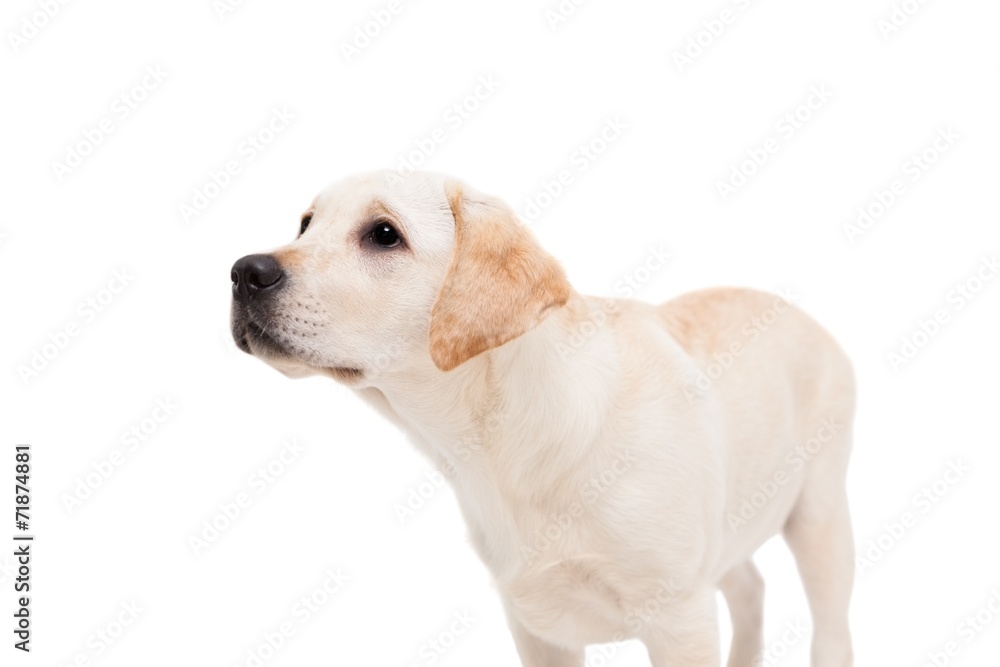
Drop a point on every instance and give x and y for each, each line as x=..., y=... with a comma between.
x=346, y=375
x=257, y=340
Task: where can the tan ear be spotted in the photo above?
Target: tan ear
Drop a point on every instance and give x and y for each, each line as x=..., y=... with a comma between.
x=499, y=285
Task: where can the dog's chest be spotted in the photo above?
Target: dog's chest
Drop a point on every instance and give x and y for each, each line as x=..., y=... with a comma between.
x=547, y=557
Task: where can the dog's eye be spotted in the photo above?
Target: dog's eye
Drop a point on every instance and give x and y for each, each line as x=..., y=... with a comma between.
x=384, y=235
x=306, y=219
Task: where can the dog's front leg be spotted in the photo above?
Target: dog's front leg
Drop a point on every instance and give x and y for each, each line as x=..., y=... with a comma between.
x=687, y=634
x=536, y=652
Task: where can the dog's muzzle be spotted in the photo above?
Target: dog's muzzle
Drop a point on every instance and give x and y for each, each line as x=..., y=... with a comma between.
x=257, y=279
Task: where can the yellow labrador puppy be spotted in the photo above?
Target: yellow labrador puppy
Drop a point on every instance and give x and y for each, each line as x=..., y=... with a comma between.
x=616, y=462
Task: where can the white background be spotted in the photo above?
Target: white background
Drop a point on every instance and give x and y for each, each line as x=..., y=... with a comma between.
x=165, y=335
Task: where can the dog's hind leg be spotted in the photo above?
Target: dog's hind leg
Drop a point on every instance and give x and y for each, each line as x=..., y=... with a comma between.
x=818, y=532
x=743, y=588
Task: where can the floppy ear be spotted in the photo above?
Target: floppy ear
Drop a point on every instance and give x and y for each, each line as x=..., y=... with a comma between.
x=500, y=282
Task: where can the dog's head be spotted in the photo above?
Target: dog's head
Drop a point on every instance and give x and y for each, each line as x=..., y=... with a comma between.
x=391, y=272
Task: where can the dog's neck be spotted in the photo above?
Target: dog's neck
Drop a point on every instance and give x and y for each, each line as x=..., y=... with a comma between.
x=467, y=419
x=492, y=425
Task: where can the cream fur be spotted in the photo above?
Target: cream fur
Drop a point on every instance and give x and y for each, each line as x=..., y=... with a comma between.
x=601, y=476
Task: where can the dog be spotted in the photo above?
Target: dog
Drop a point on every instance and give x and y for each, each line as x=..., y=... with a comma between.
x=616, y=462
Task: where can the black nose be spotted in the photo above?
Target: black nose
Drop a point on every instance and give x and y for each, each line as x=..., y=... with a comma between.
x=254, y=274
